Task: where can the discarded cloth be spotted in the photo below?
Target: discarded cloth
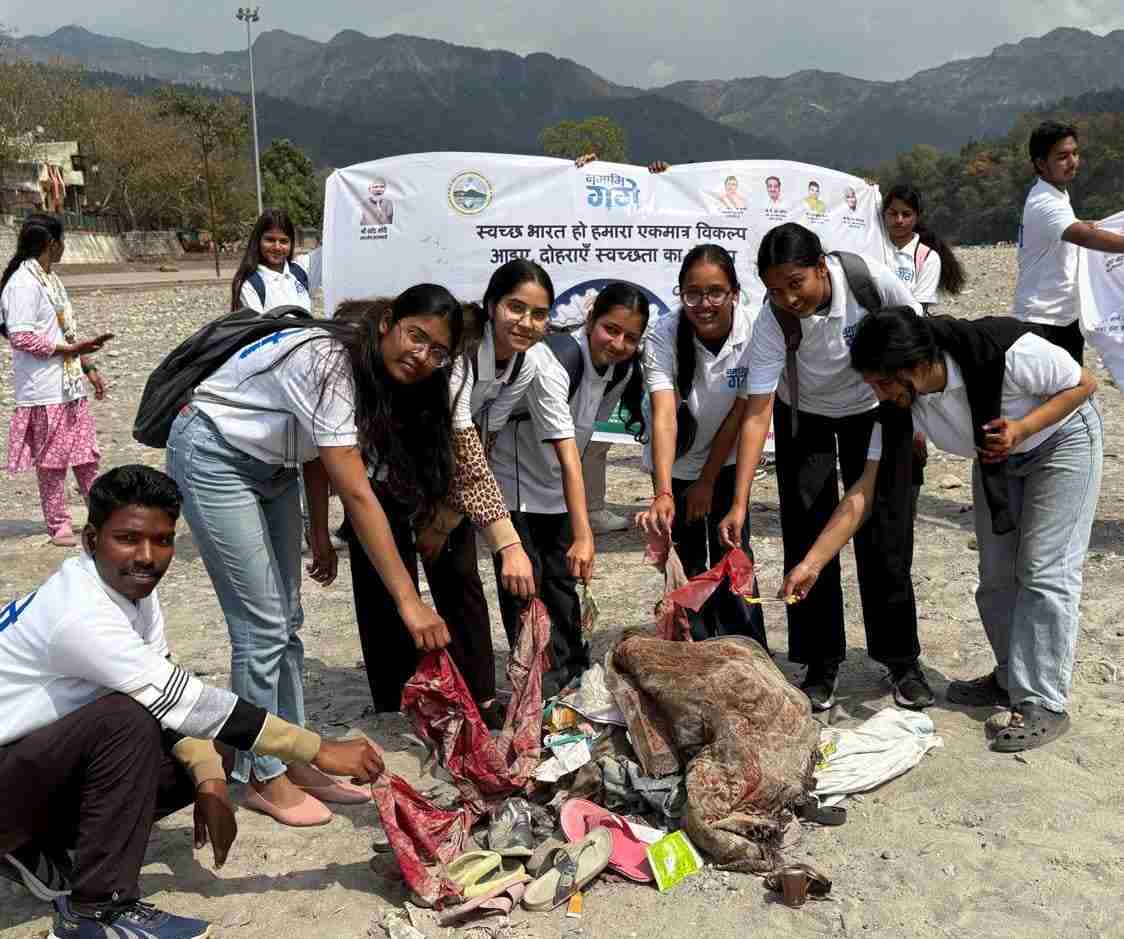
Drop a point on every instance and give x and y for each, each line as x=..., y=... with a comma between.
x=746, y=736
x=425, y=838
x=882, y=747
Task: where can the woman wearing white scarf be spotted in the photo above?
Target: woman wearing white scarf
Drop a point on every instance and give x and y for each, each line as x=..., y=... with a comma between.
x=52, y=427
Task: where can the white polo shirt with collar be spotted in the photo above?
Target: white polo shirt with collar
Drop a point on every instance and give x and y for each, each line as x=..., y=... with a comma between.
x=523, y=459
x=281, y=289
x=720, y=378
x=1036, y=371
x=487, y=398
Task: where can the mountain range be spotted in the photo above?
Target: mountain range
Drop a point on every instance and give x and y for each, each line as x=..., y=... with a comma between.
x=360, y=97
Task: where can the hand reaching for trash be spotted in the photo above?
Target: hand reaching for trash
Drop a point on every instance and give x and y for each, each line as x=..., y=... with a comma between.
x=799, y=581
x=658, y=518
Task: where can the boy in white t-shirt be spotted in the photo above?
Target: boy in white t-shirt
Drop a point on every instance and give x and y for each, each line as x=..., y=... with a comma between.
x=1050, y=234
x=101, y=733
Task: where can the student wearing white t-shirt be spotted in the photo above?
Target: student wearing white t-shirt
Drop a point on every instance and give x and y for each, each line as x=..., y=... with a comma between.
x=695, y=368
x=823, y=413
x=1050, y=234
x=994, y=391
x=536, y=460
x=333, y=397
x=269, y=276
x=101, y=732
x=922, y=260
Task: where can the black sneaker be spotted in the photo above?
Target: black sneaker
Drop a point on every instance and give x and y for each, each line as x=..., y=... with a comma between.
x=819, y=686
x=911, y=690
x=47, y=878
x=129, y=920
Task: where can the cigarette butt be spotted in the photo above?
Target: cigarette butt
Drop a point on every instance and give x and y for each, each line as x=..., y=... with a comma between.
x=574, y=909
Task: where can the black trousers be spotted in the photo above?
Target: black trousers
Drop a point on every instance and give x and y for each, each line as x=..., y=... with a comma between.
x=546, y=539
x=808, y=482
x=699, y=548
x=94, y=782
x=389, y=653
x=1069, y=338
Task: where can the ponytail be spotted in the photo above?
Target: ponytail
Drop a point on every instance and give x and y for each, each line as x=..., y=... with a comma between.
x=953, y=275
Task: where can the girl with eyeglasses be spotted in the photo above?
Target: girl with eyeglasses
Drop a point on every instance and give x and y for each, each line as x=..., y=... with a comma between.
x=822, y=413
x=695, y=367
x=361, y=402
x=486, y=383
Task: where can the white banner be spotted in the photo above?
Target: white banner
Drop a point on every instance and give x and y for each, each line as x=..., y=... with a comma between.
x=1101, y=286
x=452, y=218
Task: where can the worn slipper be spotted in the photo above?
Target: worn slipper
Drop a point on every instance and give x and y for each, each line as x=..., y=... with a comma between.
x=819, y=884
x=542, y=858
x=630, y=854
x=1031, y=726
x=499, y=901
x=982, y=692
x=574, y=866
x=472, y=867
x=507, y=874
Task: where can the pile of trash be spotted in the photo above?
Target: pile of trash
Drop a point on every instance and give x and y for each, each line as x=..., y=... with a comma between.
x=669, y=754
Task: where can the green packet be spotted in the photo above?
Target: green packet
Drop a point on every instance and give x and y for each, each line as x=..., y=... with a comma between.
x=673, y=857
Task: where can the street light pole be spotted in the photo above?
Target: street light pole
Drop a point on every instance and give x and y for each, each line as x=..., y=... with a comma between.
x=249, y=16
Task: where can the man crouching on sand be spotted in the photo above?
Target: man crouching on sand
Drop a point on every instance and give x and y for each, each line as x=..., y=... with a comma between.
x=101, y=733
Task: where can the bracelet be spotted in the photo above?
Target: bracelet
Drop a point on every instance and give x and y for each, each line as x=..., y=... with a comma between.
x=666, y=492
x=88, y=369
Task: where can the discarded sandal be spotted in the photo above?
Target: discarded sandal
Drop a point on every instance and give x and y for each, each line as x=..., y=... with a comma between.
x=1031, y=726
x=509, y=829
x=499, y=901
x=630, y=854
x=573, y=866
x=471, y=867
x=797, y=882
x=505, y=875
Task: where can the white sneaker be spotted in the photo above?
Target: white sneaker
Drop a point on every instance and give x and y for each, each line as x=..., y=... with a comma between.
x=605, y=521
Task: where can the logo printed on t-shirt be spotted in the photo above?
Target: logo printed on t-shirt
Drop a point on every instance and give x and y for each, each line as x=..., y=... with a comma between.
x=273, y=338
x=849, y=333
x=736, y=377
x=11, y=612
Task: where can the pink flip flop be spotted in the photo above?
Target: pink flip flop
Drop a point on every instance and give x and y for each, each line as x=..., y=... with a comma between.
x=630, y=855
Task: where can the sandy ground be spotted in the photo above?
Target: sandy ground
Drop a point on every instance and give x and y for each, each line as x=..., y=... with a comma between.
x=970, y=843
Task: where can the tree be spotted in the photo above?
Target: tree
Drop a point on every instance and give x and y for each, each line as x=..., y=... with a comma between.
x=289, y=182
x=217, y=125
x=571, y=139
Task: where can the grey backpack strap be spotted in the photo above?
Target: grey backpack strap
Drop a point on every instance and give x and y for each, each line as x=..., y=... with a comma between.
x=857, y=272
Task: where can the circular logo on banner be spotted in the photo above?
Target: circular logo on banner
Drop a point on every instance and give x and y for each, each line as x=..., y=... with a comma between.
x=470, y=193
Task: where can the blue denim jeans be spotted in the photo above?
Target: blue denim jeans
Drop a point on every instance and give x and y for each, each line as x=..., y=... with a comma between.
x=245, y=518
x=1030, y=579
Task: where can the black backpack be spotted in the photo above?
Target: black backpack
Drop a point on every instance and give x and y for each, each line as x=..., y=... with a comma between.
x=857, y=274
x=173, y=382
x=256, y=281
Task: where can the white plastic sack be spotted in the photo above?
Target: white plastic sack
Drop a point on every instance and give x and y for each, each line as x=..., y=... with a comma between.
x=881, y=748
x=1100, y=279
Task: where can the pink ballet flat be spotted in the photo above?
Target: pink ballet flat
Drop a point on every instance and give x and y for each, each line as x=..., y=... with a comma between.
x=306, y=813
x=329, y=789
x=64, y=539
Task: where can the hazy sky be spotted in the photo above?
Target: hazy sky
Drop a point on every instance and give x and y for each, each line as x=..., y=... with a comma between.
x=628, y=41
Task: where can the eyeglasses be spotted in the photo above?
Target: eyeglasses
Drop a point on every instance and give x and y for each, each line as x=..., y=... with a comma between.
x=435, y=353
x=517, y=310
x=693, y=296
